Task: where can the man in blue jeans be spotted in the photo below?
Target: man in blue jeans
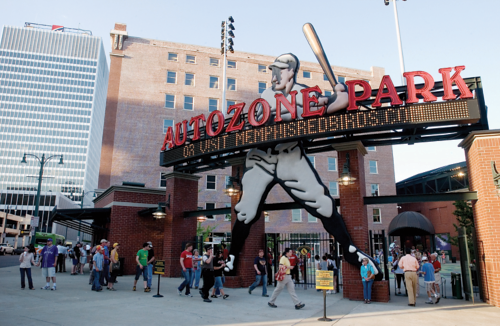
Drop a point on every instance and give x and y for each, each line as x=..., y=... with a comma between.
x=98, y=260
x=151, y=261
x=259, y=264
x=186, y=261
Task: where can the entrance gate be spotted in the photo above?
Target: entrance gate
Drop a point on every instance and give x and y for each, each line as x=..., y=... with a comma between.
x=319, y=244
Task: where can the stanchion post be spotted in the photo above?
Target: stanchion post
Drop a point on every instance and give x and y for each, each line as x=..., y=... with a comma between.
x=324, y=318
x=158, y=295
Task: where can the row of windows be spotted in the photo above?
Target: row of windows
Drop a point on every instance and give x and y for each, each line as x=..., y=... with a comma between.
x=48, y=87
x=44, y=101
x=214, y=62
x=213, y=103
x=44, y=79
x=43, y=131
x=47, y=65
x=45, y=124
x=42, y=144
x=45, y=94
x=43, y=116
x=189, y=80
x=42, y=72
x=50, y=58
x=45, y=109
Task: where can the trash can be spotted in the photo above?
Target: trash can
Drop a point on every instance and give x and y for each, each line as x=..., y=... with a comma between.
x=453, y=260
x=456, y=286
x=122, y=266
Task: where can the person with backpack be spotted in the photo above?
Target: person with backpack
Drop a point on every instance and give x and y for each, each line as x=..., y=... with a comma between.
x=285, y=281
x=332, y=266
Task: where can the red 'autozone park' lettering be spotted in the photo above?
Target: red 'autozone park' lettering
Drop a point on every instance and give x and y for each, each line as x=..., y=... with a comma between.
x=386, y=90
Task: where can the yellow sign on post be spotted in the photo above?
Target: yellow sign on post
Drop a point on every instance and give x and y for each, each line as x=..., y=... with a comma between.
x=324, y=280
x=159, y=267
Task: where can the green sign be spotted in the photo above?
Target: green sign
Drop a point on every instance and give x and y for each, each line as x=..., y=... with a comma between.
x=324, y=280
x=159, y=267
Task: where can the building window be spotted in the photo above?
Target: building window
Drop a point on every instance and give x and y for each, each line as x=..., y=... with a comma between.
x=231, y=84
x=371, y=149
x=340, y=79
x=377, y=218
x=324, y=77
x=231, y=64
x=266, y=217
x=332, y=164
x=167, y=123
x=213, y=104
x=306, y=74
x=214, y=62
x=296, y=215
x=190, y=59
x=311, y=219
x=374, y=189
x=333, y=187
x=188, y=103
x=262, y=68
x=172, y=57
x=227, y=217
x=211, y=182
x=262, y=87
x=210, y=206
x=373, y=167
x=214, y=82
x=328, y=93
x=189, y=79
x=311, y=159
x=171, y=77
x=229, y=103
x=170, y=101
x=163, y=180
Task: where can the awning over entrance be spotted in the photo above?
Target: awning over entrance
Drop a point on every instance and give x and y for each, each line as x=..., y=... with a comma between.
x=410, y=223
x=88, y=220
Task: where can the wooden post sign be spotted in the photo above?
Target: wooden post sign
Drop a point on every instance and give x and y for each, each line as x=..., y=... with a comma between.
x=159, y=267
x=324, y=281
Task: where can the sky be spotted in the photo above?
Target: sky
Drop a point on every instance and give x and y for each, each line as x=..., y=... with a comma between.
x=354, y=33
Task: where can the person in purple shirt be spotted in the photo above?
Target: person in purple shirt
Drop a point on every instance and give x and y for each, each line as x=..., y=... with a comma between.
x=49, y=262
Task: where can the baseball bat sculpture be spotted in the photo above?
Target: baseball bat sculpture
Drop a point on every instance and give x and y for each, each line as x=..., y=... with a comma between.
x=315, y=43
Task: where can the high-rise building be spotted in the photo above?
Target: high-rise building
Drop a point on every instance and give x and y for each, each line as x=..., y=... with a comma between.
x=154, y=84
x=53, y=85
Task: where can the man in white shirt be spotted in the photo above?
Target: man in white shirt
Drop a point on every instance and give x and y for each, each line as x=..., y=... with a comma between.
x=61, y=257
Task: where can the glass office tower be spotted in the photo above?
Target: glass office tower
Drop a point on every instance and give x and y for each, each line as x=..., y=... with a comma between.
x=53, y=85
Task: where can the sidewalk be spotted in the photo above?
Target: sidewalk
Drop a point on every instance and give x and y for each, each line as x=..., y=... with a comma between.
x=75, y=304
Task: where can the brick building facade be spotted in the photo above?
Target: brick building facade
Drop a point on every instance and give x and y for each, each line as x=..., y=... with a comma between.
x=153, y=84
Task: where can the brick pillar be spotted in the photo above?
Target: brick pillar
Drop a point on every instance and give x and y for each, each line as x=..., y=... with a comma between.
x=183, y=191
x=245, y=273
x=355, y=217
x=482, y=147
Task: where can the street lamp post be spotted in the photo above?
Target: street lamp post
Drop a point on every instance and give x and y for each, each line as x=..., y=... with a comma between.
x=42, y=161
x=400, y=46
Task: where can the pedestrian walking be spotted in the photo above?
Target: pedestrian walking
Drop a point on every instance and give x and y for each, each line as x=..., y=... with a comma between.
x=186, y=262
x=367, y=277
x=142, y=266
x=115, y=266
x=26, y=259
x=294, y=272
x=61, y=257
x=269, y=266
x=437, y=275
x=195, y=282
x=259, y=264
x=98, y=263
x=207, y=273
x=400, y=274
x=410, y=267
x=151, y=261
x=83, y=258
x=287, y=281
x=75, y=259
x=48, y=258
x=104, y=278
x=429, y=280
x=218, y=267
x=332, y=266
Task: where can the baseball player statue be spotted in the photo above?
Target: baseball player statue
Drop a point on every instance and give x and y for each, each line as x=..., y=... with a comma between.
x=288, y=165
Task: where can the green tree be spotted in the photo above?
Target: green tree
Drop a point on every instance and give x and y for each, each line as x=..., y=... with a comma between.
x=463, y=212
x=204, y=232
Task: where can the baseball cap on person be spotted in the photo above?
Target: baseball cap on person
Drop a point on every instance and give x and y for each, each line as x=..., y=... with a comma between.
x=150, y=244
x=104, y=240
x=49, y=239
x=98, y=248
x=424, y=258
x=116, y=245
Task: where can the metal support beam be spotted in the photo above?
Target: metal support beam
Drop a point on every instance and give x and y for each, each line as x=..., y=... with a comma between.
x=402, y=199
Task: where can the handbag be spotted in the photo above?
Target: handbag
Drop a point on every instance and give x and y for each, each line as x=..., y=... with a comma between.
x=280, y=275
x=371, y=276
x=115, y=266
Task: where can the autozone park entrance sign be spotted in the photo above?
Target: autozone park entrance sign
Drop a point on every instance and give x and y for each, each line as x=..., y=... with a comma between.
x=388, y=115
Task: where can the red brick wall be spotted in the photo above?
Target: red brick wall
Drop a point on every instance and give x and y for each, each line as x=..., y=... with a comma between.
x=482, y=148
x=177, y=229
x=355, y=218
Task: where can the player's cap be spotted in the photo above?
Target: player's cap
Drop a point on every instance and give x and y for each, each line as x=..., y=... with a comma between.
x=287, y=60
x=424, y=258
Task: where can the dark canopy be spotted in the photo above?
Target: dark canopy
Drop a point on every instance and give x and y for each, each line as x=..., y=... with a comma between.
x=410, y=223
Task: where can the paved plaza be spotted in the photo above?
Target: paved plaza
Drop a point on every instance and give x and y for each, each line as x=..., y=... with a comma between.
x=75, y=304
